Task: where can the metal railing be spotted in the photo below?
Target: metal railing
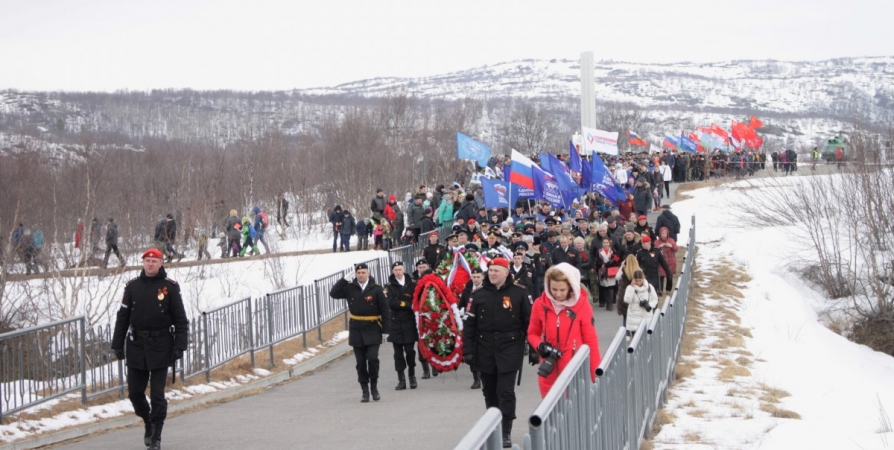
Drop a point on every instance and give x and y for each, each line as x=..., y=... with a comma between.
x=617, y=411
x=49, y=361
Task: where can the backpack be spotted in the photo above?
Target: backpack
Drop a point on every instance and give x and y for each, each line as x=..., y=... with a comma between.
x=264, y=222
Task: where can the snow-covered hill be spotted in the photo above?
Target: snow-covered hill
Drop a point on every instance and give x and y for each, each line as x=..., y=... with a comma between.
x=833, y=87
x=800, y=101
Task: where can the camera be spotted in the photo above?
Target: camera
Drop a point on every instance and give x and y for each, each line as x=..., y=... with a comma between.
x=645, y=305
x=550, y=355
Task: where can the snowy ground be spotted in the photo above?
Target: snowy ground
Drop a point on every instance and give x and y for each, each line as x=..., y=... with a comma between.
x=761, y=353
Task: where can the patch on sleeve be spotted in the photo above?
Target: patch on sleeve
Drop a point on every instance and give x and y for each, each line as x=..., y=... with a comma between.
x=171, y=281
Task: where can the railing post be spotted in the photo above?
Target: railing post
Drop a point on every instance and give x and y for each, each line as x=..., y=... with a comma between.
x=207, y=347
x=251, y=332
x=319, y=300
x=82, y=360
x=270, y=327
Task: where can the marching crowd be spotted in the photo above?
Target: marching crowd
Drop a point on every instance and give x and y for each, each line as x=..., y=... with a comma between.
x=546, y=270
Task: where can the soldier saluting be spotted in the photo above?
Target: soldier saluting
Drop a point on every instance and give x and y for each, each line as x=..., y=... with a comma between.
x=150, y=308
x=370, y=318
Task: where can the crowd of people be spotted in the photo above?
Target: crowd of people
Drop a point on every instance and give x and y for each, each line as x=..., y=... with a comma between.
x=547, y=269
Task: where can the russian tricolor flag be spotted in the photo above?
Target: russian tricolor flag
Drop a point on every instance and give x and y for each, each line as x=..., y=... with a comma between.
x=521, y=170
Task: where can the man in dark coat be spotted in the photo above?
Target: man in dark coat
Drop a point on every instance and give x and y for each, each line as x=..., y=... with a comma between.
x=472, y=286
x=150, y=308
x=649, y=259
x=494, y=339
x=427, y=224
x=336, y=217
x=668, y=220
x=370, y=318
x=414, y=216
x=468, y=209
x=642, y=227
x=566, y=253
x=377, y=205
x=434, y=251
x=112, y=243
x=403, y=324
x=347, y=229
x=642, y=198
x=522, y=273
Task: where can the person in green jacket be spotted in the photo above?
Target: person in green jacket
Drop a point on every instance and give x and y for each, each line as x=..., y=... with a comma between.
x=445, y=210
x=249, y=234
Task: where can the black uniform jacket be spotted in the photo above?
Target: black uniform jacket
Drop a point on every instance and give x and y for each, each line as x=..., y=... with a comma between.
x=433, y=254
x=150, y=307
x=569, y=255
x=523, y=277
x=494, y=332
x=403, y=319
x=649, y=260
x=367, y=302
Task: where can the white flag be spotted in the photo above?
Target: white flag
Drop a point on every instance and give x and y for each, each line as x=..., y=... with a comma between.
x=600, y=141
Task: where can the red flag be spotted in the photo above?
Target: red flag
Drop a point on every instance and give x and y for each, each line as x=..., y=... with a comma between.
x=694, y=138
x=742, y=132
x=719, y=131
x=755, y=123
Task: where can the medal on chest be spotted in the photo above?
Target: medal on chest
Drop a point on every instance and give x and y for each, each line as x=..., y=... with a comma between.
x=507, y=303
x=162, y=292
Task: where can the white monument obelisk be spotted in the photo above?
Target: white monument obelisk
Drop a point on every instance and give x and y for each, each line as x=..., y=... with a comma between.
x=587, y=93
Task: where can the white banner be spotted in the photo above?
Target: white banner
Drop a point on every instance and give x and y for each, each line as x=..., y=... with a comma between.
x=654, y=148
x=600, y=141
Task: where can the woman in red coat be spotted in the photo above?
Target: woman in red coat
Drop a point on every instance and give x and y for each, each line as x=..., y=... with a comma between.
x=668, y=248
x=562, y=318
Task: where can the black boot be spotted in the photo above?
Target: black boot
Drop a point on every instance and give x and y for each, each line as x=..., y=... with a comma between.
x=365, y=397
x=147, y=436
x=401, y=381
x=374, y=389
x=155, y=443
x=608, y=305
x=434, y=372
x=507, y=432
x=412, y=374
x=477, y=383
x=426, y=373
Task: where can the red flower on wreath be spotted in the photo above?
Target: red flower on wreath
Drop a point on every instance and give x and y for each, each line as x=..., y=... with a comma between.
x=440, y=342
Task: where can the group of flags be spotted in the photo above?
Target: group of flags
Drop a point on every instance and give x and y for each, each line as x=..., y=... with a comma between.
x=559, y=184
x=552, y=180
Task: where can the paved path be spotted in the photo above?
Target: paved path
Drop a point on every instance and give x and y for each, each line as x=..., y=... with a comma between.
x=322, y=411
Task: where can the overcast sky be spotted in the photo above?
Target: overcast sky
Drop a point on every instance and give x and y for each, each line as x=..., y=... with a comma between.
x=265, y=45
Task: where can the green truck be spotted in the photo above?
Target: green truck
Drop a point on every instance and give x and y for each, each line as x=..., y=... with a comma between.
x=830, y=149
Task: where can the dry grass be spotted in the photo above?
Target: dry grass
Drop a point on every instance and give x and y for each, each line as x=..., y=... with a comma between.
x=779, y=412
x=743, y=361
x=771, y=394
x=728, y=341
x=646, y=444
x=692, y=437
x=689, y=404
x=728, y=373
x=683, y=369
x=698, y=413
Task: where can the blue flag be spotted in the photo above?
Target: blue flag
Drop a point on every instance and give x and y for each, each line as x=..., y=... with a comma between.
x=586, y=174
x=468, y=148
x=520, y=192
x=496, y=193
x=574, y=161
x=687, y=144
x=546, y=188
x=559, y=171
x=604, y=183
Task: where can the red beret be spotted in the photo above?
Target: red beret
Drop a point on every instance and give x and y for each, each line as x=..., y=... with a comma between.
x=646, y=239
x=152, y=253
x=642, y=218
x=500, y=262
x=471, y=221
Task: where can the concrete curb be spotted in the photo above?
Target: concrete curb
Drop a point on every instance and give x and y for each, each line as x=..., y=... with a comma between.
x=87, y=429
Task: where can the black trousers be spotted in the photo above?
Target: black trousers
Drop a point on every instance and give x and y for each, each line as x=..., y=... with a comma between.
x=607, y=294
x=367, y=363
x=404, y=356
x=136, y=388
x=113, y=248
x=499, y=391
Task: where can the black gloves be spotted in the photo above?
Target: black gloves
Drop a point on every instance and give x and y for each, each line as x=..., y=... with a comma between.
x=469, y=359
x=668, y=284
x=178, y=354
x=119, y=353
x=533, y=358
x=545, y=349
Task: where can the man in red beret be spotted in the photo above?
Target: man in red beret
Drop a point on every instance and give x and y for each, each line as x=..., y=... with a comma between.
x=151, y=307
x=649, y=259
x=494, y=339
x=642, y=227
